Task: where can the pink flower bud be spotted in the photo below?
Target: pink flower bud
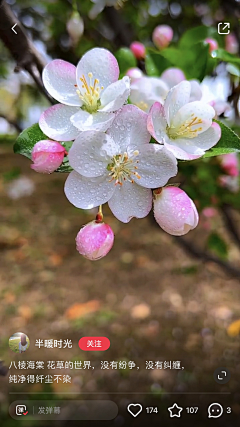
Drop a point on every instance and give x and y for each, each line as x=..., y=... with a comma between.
x=174, y=211
x=138, y=50
x=162, y=36
x=94, y=240
x=229, y=163
x=213, y=44
x=134, y=73
x=47, y=156
x=173, y=76
x=75, y=27
x=231, y=43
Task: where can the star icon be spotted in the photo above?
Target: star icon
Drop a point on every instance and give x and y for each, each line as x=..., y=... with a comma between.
x=175, y=411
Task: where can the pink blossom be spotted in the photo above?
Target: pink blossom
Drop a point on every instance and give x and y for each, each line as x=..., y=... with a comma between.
x=94, y=240
x=47, y=156
x=162, y=36
x=209, y=212
x=229, y=163
x=138, y=50
x=174, y=211
x=213, y=44
x=231, y=43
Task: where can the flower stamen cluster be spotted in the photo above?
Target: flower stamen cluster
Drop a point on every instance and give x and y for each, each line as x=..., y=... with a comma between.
x=91, y=96
x=186, y=129
x=122, y=167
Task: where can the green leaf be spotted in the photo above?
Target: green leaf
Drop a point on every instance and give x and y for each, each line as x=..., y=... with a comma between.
x=228, y=143
x=29, y=137
x=125, y=59
x=156, y=63
x=192, y=61
x=200, y=33
x=225, y=56
x=217, y=245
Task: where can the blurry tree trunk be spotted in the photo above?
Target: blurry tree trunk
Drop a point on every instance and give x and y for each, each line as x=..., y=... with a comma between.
x=22, y=49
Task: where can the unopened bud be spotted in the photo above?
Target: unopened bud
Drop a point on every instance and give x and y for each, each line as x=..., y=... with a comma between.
x=138, y=50
x=94, y=240
x=47, y=156
x=134, y=73
x=75, y=27
x=231, y=43
x=174, y=211
x=162, y=36
x=213, y=44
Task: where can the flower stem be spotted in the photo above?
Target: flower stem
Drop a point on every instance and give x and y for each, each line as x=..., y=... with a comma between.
x=99, y=216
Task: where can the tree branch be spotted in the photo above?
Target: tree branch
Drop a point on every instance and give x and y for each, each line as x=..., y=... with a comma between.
x=21, y=48
x=123, y=33
x=12, y=123
x=229, y=222
x=194, y=251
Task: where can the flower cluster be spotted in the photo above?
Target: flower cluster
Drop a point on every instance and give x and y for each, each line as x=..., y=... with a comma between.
x=123, y=154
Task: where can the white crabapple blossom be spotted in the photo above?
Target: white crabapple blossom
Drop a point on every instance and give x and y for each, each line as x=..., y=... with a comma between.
x=174, y=211
x=119, y=167
x=185, y=128
x=89, y=94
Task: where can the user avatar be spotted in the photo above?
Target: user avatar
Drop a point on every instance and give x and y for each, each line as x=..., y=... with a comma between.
x=19, y=342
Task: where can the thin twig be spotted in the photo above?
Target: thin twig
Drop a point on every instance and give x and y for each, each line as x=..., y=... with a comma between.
x=229, y=222
x=22, y=49
x=194, y=251
x=12, y=123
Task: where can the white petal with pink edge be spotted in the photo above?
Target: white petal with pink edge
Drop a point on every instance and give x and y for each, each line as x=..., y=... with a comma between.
x=156, y=122
x=59, y=78
x=129, y=201
x=55, y=123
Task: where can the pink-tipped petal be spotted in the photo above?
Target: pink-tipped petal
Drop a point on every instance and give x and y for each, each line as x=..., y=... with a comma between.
x=95, y=240
x=174, y=211
x=59, y=78
x=47, y=156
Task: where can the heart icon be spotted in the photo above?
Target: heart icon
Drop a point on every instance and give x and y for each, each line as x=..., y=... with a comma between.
x=134, y=409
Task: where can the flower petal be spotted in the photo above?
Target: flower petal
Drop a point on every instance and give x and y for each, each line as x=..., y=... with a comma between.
x=97, y=121
x=156, y=166
x=55, y=123
x=180, y=154
x=115, y=95
x=129, y=127
x=156, y=123
x=177, y=97
x=91, y=152
x=101, y=63
x=130, y=200
x=87, y=193
x=194, y=110
x=59, y=78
